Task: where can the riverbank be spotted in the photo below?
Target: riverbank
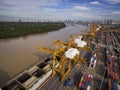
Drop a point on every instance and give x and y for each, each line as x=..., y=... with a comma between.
x=16, y=29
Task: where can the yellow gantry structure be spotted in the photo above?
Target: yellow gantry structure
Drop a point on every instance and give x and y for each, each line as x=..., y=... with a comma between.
x=57, y=52
x=64, y=66
x=92, y=33
x=64, y=63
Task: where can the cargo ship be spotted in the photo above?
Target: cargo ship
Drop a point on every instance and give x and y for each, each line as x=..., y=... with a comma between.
x=32, y=78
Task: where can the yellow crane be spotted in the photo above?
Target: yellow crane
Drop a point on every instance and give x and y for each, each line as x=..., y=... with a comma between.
x=64, y=63
x=72, y=44
x=94, y=30
x=57, y=52
x=92, y=34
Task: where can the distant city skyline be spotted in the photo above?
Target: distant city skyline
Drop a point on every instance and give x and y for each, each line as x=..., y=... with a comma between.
x=54, y=10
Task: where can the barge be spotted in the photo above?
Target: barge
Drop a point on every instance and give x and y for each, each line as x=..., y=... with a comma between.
x=32, y=78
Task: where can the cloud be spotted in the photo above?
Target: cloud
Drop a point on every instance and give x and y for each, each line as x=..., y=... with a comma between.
x=28, y=3
x=95, y=3
x=51, y=10
x=116, y=12
x=25, y=8
x=81, y=8
x=113, y=1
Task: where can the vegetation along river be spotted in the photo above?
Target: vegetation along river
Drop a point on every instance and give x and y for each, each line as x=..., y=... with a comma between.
x=16, y=54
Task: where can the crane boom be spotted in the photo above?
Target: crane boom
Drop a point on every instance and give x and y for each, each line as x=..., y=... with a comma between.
x=46, y=50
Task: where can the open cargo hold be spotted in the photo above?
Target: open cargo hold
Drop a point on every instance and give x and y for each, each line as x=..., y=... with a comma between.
x=23, y=78
x=39, y=73
x=46, y=60
x=13, y=86
x=26, y=80
x=42, y=65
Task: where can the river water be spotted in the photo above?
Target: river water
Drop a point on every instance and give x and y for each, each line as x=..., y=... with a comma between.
x=16, y=54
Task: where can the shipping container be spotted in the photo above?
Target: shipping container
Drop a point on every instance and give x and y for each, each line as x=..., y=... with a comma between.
x=88, y=88
x=109, y=83
x=118, y=86
x=111, y=72
x=110, y=65
x=113, y=87
x=89, y=78
x=113, y=75
x=94, y=63
x=83, y=86
x=79, y=85
x=109, y=88
x=113, y=63
x=87, y=82
x=85, y=78
x=95, y=55
x=113, y=69
x=81, y=79
x=116, y=76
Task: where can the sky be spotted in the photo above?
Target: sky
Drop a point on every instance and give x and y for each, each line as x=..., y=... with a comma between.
x=59, y=10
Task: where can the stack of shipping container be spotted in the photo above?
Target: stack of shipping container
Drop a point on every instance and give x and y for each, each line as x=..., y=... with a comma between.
x=85, y=81
x=112, y=75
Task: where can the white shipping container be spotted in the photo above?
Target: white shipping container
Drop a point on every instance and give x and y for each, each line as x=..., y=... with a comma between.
x=88, y=88
x=95, y=55
x=91, y=59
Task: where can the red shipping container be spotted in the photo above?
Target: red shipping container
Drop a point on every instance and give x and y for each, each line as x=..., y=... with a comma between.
x=113, y=62
x=116, y=76
x=111, y=71
x=114, y=70
x=106, y=63
x=89, y=79
x=79, y=85
x=85, y=87
x=108, y=71
x=109, y=88
x=110, y=65
x=113, y=75
x=97, y=53
x=84, y=78
x=109, y=83
x=84, y=74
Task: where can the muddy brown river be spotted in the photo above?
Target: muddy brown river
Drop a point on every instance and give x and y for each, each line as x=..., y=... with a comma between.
x=16, y=54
